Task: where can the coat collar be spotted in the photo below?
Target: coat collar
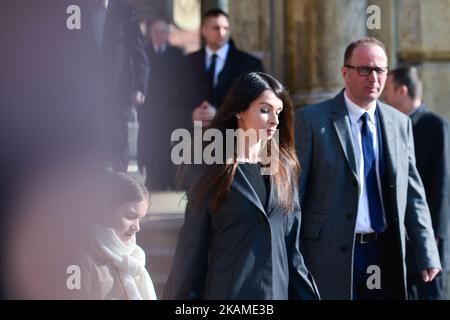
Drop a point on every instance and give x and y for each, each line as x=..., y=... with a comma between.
x=418, y=113
x=243, y=186
x=341, y=122
x=389, y=132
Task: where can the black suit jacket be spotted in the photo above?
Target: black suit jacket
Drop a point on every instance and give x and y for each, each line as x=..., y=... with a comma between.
x=164, y=77
x=196, y=81
x=242, y=251
x=121, y=59
x=158, y=117
x=432, y=149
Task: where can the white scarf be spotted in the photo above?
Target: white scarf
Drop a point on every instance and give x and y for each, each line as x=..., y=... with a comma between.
x=129, y=259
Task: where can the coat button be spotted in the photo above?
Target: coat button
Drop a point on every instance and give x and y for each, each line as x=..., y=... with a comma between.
x=349, y=216
x=391, y=186
x=344, y=249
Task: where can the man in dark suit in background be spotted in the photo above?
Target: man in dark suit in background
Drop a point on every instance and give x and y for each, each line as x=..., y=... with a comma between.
x=360, y=191
x=432, y=148
x=120, y=53
x=157, y=117
x=210, y=71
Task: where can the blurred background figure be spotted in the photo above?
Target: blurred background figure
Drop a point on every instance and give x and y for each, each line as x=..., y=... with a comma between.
x=157, y=117
x=50, y=215
x=113, y=266
x=432, y=148
x=118, y=48
x=77, y=242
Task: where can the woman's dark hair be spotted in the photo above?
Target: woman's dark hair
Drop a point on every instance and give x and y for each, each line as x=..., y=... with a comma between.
x=122, y=188
x=216, y=180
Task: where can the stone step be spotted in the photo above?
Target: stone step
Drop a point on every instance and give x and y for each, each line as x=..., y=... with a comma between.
x=159, y=234
x=158, y=238
x=159, y=261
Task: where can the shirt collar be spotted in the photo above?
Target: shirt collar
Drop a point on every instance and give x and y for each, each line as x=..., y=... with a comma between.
x=159, y=48
x=355, y=112
x=221, y=53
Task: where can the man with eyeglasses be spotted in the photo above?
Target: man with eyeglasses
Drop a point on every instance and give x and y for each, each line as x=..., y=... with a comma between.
x=359, y=189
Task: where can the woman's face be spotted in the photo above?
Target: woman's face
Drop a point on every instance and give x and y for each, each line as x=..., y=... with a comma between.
x=262, y=114
x=127, y=218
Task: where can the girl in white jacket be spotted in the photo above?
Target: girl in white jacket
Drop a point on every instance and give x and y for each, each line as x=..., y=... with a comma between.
x=114, y=265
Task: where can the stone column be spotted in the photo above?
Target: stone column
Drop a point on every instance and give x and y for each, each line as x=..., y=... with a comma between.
x=317, y=34
x=388, y=31
x=258, y=28
x=424, y=40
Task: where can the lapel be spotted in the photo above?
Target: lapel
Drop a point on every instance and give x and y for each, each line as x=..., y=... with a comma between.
x=200, y=60
x=243, y=186
x=415, y=117
x=156, y=56
x=341, y=122
x=113, y=29
x=389, y=132
x=87, y=19
x=226, y=74
x=272, y=201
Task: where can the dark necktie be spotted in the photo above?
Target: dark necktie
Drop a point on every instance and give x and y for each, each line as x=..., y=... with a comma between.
x=211, y=73
x=375, y=209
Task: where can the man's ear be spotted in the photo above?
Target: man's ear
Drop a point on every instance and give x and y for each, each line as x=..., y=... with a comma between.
x=202, y=31
x=344, y=72
x=403, y=91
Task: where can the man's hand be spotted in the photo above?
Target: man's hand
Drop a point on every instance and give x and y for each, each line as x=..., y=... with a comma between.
x=137, y=98
x=205, y=112
x=429, y=274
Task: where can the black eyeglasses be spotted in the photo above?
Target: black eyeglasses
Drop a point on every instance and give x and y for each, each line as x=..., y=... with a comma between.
x=364, y=71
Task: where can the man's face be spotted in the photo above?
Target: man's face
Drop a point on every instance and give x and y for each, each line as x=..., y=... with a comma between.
x=363, y=90
x=159, y=33
x=216, y=31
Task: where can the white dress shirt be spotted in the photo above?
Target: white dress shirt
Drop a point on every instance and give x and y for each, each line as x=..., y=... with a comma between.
x=355, y=112
x=222, y=54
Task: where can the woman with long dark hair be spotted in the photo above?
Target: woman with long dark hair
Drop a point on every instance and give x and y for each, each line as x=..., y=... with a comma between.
x=241, y=231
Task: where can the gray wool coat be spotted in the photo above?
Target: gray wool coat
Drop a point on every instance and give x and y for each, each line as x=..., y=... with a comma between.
x=329, y=191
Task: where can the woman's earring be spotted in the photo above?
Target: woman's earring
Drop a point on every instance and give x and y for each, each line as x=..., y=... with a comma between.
x=238, y=116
